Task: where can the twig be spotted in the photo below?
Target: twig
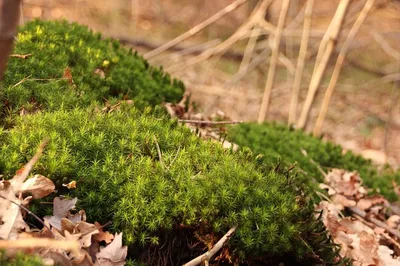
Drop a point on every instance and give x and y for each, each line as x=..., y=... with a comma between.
x=338, y=66
x=159, y=153
x=377, y=222
x=195, y=29
x=30, y=213
x=248, y=53
x=207, y=122
x=304, y=152
x=300, y=62
x=209, y=254
x=385, y=45
x=20, y=178
x=274, y=59
x=393, y=102
x=22, y=56
x=222, y=47
x=326, y=48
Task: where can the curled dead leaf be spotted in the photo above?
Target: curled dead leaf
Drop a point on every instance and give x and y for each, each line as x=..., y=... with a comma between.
x=39, y=186
x=70, y=185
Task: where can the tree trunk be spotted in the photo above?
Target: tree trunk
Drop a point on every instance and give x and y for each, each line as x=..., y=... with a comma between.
x=9, y=18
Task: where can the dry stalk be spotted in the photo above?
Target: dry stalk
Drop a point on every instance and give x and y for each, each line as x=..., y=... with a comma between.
x=326, y=48
x=254, y=18
x=338, y=66
x=301, y=61
x=209, y=254
x=248, y=53
x=274, y=59
x=389, y=50
x=195, y=29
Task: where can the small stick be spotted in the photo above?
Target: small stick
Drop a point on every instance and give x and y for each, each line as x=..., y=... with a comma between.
x=23, y=56
x=159, y=153
x=326, y=48
x=29, y=212
x=209, y=254
x=20, y=178
x=205, y=122
x=338, y=66
x=195, y=29
x=301, y=61
x=274, y=59
x=377, y=222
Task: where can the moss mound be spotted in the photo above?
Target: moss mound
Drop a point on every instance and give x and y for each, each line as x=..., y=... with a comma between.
x=100, y=70
x=277, y=141
x=19, y=260
x=166, y=197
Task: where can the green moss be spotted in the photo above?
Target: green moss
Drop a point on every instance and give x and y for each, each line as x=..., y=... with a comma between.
x=20, y=259
x=195, y=186
x=277, y=141
x=37, y=81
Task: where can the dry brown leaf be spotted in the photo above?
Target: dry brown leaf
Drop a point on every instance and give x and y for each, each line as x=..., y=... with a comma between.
x=102, y=236
x=70, y=185
x=393, y=221
x=68, y=76
x=386, y=256
x=340, y=199
x=112, y=255
x=368, y=202
x=39, y=186
x=100, y=73
x=61, y=209
x=330, y=189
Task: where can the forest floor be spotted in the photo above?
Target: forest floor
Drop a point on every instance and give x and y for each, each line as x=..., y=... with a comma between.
x=364, y=114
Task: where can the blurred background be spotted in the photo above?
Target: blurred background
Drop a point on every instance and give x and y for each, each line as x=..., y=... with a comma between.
x=225, y=65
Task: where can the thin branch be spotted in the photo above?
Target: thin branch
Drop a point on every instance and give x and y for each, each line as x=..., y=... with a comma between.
x=274, y=59
x=209, y=254
x=377, y=222
x=203, y=122
x=338, y=66
x=326, y=48
x=248, y=53
x=255, y=17
x=300, y=62
x=159, y=153
x=20, y=178
x=29, y=212
x=195, y=29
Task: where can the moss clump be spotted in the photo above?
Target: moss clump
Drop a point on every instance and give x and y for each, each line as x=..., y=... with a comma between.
x=100, y=69
x=277, y=141
x=20, y=259
x=195, y=187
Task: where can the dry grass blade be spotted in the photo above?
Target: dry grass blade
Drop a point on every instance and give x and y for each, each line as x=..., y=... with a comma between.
x=203, y=122
x=195, y=29
x=20, y=178
x=301, y=61
x=326, y=48
x=242, y=31
x=338, y=66
x=248, y=53
x=274, y=59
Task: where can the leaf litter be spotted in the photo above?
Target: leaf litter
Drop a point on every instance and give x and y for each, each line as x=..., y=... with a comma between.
x=66, y=238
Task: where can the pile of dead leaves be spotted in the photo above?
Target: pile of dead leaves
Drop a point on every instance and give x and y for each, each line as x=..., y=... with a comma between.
x=370, y=234
x=66, y=239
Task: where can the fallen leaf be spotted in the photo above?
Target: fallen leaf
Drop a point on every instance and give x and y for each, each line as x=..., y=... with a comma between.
x=61, y=209
x=368, y=202
x=68, y=76
x=340, y=199
x=39, y=186
x=393, y=221
x=70, y=185
x=101, y=235
x=114, y=254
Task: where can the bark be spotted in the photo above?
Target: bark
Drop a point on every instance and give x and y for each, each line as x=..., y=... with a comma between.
x=9, y=18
